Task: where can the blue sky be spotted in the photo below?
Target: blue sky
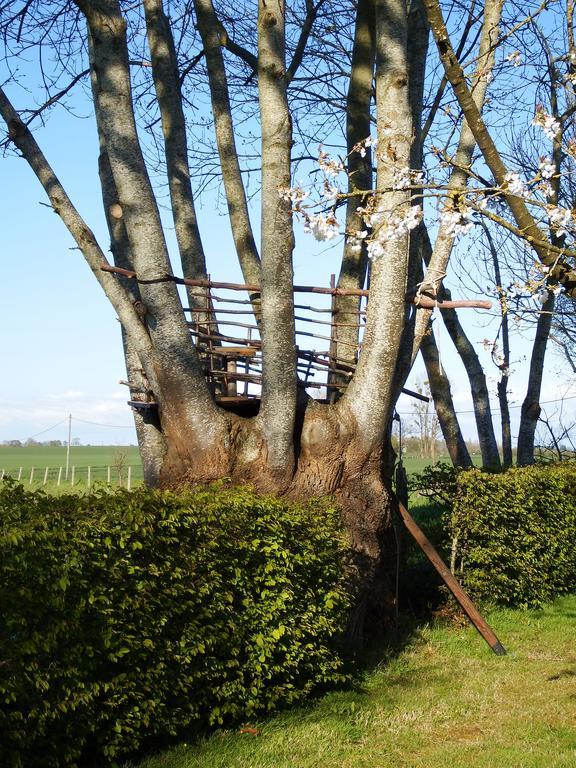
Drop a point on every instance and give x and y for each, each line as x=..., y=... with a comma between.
x=61, y=349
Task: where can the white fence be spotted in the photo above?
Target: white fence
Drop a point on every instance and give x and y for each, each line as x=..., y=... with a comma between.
x=124, y=476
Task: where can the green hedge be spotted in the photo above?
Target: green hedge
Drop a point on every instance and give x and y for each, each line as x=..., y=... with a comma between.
x=127, y=617
x=516, y=533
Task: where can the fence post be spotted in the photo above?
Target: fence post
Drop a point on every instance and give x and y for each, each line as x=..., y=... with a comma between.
x=72, y=475
x=45, y=476
x=59, y=476
x=89, y=477
x=2, y=475
x=129, y=478
x=19, y=474
x=108, y=475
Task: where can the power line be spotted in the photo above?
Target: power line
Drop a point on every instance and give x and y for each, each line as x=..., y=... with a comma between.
x=47, y=429
x=83, y=421
x=495, y=406
x=400, y=413
x=97, y=424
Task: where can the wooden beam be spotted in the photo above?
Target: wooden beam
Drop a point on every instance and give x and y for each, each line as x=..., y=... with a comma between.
x=421, y=301
x=451, y=582
x=236, y=351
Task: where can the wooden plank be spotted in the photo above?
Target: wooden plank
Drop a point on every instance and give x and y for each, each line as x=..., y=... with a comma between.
x=140, y=405
x=236, y=351
x=235, y=399
x=451, y=582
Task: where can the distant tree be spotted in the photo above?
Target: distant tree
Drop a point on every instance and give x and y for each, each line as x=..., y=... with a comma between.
x=425, y=424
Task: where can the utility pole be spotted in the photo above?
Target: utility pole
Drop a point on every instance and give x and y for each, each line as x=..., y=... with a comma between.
x=68, y=446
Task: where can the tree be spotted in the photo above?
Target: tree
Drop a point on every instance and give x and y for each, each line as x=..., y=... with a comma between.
x=289, y=68
x=426, y=424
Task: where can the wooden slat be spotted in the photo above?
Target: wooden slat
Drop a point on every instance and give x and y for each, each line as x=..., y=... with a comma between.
x=236, y=351
x=451, y=582
x=421, y=301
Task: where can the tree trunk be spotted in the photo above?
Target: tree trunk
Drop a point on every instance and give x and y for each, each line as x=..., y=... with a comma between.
x=442, y=395
x=211, y=31
x=278, y=409
x=437, y=258
x=503, y=363
x=358, y=113
x=530, y=412
x=478, y=389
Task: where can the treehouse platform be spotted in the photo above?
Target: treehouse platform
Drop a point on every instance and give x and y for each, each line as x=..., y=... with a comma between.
x=224, y=322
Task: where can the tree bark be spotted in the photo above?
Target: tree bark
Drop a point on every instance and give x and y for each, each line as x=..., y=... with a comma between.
x=370, y=393
x=174, y=371
x=151, y=442
x=211, y=30
x=278, y=408
x=478, y=388
x=437, y=263
x=530, y=412
x=442, y=396
x=168, y=94
x=504, y=363
x=358, y=124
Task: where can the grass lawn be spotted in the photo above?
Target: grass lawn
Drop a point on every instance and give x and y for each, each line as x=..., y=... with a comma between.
x=445, y=701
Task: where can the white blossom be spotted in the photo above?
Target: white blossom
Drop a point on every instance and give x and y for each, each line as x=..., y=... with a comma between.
x=329, y=166
x=354, y=239
x=292, y=194
x=374, y=217
x=516, y=290
x=457, y=222
x=361, y=146
x=322, y=227
x=515, y=185
x=515, y=58
x=547, y=168
x=401, y=178
x=405, y=177
x=376, y=248
x=560, y=219
x=539, y=268
x=395, y=226
x=549, y=124
x=330, y=192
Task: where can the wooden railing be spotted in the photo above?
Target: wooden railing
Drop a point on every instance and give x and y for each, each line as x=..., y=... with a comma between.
x=224, y=326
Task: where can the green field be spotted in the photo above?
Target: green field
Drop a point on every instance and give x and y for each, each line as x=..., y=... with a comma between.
x=102, y=455
x=44, y=462
x=40, y=462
